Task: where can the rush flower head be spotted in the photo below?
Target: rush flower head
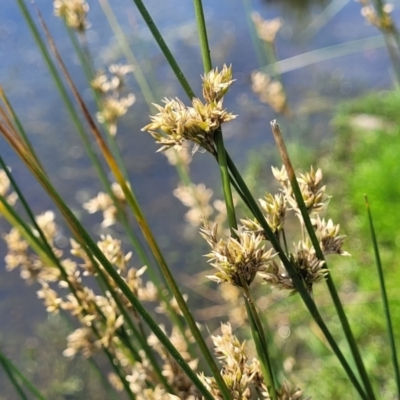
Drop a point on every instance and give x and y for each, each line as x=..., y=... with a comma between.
x=180, y=123
x=237, y=259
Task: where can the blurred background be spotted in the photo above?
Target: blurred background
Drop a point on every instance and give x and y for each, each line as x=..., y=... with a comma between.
x=327, y=54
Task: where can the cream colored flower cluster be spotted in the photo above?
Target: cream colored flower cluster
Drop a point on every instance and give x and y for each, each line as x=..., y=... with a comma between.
x=381, y=19
x=241, y=257
x=113, y=105
x=74, y=12
x=176, y=123
x=242, y=376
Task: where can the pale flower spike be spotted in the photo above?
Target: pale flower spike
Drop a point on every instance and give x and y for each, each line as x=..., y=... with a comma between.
x=180, y=123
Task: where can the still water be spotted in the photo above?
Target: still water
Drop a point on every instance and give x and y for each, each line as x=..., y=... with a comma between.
x=313, y=89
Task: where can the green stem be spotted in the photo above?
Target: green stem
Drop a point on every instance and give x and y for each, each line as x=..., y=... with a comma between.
x=122, y=218
x=319, y=253
x=124, y=44
x=87, y=243
x=132, y=202
x=45, y=246
x=5, y=363
x=260, y=342
x=385, y=300
x=230, y=207
x=202, y=30
x=12, y=370
x=164, y=48
x=218, y=138
x=19, y=125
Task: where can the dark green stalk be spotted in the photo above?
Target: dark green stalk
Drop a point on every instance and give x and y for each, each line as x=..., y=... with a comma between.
x=10, y=369
x=47, y=248
x=164, y=48
x=147, y=233
x=5, y=363
x=86, y=141
x=319, y=253
x=124, y=44
x=122, y=218
x=87, y=243
x=385, y=300
x=18, y=124
x=260, y=343
x=127, y=319
x=392, y=39
x=295, y=278
x=219, y=142
x=230, y=207
x=118, y=371
x=218, y=138
x=202, y=30
x=83, y=136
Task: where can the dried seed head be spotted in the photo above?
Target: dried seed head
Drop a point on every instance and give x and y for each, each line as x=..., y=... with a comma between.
x=82, y=340
x=103, y=202
x=73, y=12
x=237, y=259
